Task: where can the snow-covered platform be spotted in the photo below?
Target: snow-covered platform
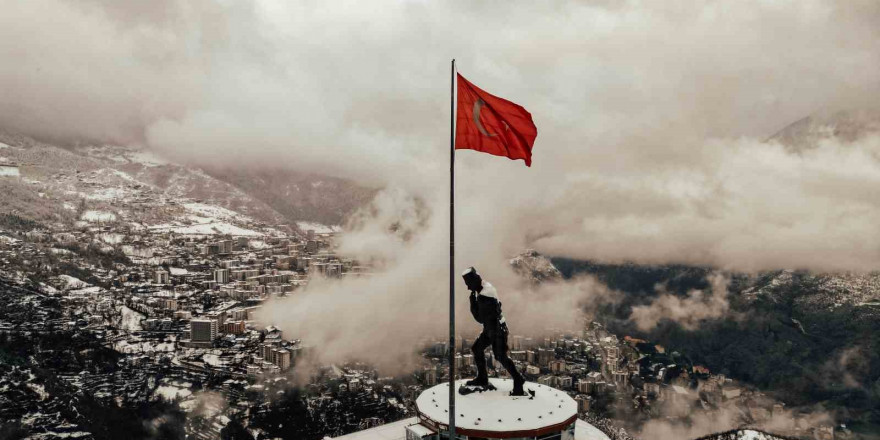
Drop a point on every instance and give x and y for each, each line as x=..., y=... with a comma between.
x=495, y=414
x=552, y=414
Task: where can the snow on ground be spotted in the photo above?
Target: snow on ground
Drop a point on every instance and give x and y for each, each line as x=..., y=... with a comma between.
x=39, y=389
x=130, y=320
x=127, y=347
x=2, y=146
x=86, y=290
x=213, y=360
x=146, y=158
x=213, y=212
x=123, y=175
x=8, y=239
x=107, y=194
x=207, y=229
x=73, y=282
x=52, y=435
x=257, y=244
x=318, y=227
x=189, y=405
x=111, y=238
x=69, y=206
x=12, y=171
x=748, y=434
x=169, y=392
x=98, y=216
x=178, y=271
x=208, y=220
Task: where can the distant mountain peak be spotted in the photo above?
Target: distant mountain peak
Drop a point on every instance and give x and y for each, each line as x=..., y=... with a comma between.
x=845, y=125
x=535, y=267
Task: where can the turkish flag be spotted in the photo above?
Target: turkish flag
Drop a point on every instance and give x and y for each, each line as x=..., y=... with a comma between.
x=492, y=125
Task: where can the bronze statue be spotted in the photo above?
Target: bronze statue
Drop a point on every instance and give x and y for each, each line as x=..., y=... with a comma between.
x=486, y=308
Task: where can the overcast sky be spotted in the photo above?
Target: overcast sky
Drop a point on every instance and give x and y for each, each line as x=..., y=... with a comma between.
x=652, y=120
x=651, y=115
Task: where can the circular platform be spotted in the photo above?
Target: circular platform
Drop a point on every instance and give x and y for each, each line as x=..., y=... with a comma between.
x=495, y=414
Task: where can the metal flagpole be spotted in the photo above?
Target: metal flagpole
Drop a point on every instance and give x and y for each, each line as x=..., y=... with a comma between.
x=452, y=255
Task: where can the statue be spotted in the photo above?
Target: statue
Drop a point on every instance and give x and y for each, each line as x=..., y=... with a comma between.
x=486, y=308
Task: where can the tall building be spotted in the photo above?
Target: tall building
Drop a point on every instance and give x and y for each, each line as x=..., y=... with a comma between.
x=545, y=356
x=239, y=314
x=282, y=358
x=583, y=386
x=564, y=382
x=312, y=246
x=219, y=316
x=203, y=330
x=430, y=377
x=234, y=327
x=161, y=277
x=468, y=360
x=224, y=247
x=221, y=276
x=269, y=353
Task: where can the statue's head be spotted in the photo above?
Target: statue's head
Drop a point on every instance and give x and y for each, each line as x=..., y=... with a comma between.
x=472, y=279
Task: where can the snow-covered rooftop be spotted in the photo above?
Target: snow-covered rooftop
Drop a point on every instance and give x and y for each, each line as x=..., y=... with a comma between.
x=388, y=431
x=397, y=431
x=497, y=411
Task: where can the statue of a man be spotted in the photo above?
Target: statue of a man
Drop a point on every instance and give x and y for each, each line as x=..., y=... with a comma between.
x=486, y=308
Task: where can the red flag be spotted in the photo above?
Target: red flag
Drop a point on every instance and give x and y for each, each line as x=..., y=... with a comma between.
x=492, y=125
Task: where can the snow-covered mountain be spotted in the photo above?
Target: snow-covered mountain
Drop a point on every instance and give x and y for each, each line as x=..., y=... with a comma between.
x=844, y=126
x=811, y=293
x=535, y=267
x=101, y=184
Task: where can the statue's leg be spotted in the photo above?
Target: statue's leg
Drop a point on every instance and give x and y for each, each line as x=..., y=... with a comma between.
x=499, y=348
x=478, y=349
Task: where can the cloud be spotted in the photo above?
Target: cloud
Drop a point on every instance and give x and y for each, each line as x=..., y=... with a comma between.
x=688, y=421
x=383, y=317
x=652, y=118
x=688, y=311
x=651, y=115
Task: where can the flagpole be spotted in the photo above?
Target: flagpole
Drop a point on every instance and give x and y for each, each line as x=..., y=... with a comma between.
x=452, y=254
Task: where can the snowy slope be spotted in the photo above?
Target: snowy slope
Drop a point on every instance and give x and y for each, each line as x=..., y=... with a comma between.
x=535, y=267
x=125, y=188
